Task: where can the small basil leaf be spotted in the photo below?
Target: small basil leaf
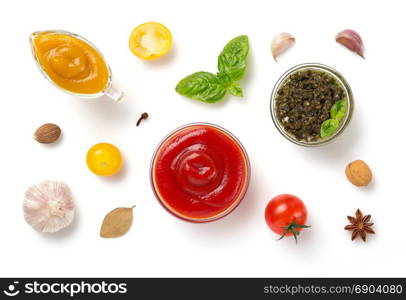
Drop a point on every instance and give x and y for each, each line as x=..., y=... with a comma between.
x=328, y=127
x=233, y=59
x=235, y=90
x=203, y=86
x=339, y=109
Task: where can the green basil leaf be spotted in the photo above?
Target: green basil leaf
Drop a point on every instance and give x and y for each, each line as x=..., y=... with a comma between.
x=233, y=59
x=203, y=86
x=224, y=79
x=328, y=127
x=339, y=109
x=235, y=90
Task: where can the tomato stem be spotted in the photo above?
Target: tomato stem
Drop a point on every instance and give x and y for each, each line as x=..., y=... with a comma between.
x=292, y=228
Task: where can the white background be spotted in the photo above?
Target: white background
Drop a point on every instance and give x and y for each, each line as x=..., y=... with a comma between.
x=158, y=244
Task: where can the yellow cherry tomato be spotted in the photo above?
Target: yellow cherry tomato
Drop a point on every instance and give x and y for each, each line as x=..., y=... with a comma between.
x=150, y=40
x=104, y=159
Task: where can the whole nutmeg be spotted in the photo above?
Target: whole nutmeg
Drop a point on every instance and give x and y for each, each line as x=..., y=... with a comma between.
x=358, y=173
x=47, y=133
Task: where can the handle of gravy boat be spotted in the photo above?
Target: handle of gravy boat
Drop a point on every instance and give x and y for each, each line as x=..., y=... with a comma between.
x=113, y=93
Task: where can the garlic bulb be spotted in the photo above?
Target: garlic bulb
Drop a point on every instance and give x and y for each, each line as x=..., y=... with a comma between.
x=281, y=43
x=49, y=206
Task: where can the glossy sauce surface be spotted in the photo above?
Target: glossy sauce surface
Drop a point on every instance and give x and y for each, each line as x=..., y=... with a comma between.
x=200, y=172
x=71, y=63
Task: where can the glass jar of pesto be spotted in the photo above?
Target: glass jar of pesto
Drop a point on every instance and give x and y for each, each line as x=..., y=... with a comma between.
x=311, y=104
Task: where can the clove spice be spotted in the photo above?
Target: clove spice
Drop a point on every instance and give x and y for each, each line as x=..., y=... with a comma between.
x=143, y=116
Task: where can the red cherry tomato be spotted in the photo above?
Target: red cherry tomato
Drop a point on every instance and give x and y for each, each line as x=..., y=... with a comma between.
x=286, y=215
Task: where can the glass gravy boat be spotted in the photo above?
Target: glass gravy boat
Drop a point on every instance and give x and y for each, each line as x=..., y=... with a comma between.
x=108, y=90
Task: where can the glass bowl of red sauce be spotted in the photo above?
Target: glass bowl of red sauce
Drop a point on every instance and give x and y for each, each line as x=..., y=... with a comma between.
x=200, y=172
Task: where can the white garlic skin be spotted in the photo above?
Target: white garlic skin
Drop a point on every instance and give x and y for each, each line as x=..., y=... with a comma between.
x=49, y=206
x=281, y=43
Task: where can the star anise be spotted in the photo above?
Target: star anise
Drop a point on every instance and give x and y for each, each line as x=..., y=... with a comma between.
x=360, y=225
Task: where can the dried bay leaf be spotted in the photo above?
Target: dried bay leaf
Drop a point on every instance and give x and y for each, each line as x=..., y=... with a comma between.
x=117, y=222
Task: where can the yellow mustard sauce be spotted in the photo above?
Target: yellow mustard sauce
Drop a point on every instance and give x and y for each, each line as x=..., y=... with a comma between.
x=71, y=63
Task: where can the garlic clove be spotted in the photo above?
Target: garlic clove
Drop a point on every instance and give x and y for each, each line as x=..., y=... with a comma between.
x=49, y=206
x=281, y=43
x=351, y=40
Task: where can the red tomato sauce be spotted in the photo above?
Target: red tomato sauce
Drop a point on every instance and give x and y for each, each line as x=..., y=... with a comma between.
x=200, y=173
